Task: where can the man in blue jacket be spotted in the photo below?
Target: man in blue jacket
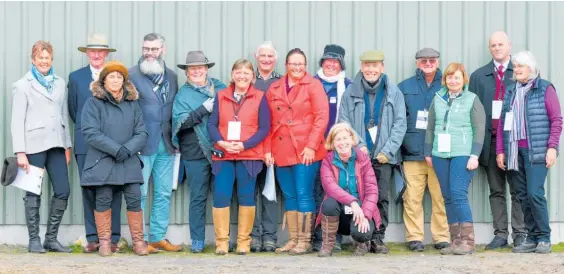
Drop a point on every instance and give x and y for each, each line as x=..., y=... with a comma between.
x=418, y=92
x=157, y=86
x=78, y=86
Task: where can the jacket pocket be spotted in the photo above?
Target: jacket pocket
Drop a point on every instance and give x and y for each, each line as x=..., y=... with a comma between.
x=34, y=127
x=412, y=144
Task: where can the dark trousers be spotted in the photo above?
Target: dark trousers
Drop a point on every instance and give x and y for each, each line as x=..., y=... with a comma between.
x=225, y=180
x=529, y=187
x=384, y=178
x=266, y=219
x=54, y=161
x=199, y=178
x=332, y=207
x=89, y=203
x=131, y=192
x=498, y=192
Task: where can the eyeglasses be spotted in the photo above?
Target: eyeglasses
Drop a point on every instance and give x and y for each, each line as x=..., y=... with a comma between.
x=430, y=61
x=297, y=65
x=154, y=50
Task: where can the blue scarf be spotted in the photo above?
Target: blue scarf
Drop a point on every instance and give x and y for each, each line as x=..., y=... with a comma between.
x=46, y=81
x=160, y=81
x=376, y=110
x=347, y=176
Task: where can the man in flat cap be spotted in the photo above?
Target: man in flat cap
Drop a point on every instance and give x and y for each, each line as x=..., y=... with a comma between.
x=418, y=92
x=97, y=50
x=375, y=108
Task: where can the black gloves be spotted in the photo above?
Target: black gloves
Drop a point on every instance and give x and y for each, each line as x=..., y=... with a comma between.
x=123, y=154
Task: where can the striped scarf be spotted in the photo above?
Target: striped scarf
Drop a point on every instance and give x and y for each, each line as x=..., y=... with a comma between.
x=45, y=80
x=160, y=81
x=519, y=130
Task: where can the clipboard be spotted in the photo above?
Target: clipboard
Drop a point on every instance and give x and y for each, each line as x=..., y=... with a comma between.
x=31, y=181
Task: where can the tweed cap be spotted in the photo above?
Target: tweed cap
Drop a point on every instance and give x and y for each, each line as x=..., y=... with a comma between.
x=372, y=56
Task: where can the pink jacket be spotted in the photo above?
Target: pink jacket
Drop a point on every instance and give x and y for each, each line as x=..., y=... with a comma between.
x=366, y=184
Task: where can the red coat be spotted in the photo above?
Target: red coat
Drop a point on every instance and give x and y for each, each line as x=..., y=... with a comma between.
x=366, y=185
x=299, y=120
x=248, y=115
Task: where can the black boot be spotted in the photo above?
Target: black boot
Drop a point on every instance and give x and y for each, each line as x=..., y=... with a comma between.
x=32, y=219
x=56, y=213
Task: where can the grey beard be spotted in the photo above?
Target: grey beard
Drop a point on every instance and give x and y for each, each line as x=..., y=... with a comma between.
x=154, y=67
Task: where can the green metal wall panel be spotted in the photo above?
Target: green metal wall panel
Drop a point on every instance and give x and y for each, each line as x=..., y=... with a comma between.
x=227, y=31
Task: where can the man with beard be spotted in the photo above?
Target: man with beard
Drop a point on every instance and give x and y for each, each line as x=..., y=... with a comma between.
x=97, y=50
x=157, y=86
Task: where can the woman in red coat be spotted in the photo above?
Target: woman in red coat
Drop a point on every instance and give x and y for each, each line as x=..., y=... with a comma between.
x=300, y=113
x=350, y=205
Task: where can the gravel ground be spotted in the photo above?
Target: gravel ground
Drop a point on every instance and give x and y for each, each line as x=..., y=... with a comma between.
x=17, y=260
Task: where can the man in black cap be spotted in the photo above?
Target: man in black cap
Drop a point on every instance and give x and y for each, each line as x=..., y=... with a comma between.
x=418, y=92
x=332, y=76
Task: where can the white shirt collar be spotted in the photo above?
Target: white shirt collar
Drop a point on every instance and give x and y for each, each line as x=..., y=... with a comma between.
x=95, y=72
x=496, y=64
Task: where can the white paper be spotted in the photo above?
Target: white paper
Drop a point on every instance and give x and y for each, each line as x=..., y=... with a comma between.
x=332, y=100
x=444, y=142
x=176, y=170
x=373, y=132
x=269, y=190
x=496, y=109
x=29, y=181
x=348, y=210
x=508, y=122
x=421, y=119
x=234, y=131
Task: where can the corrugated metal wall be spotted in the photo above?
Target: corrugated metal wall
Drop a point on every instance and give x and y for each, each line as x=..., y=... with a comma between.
x=227, y=31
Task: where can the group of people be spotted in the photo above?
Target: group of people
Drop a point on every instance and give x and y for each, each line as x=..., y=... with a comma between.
x=335, y=144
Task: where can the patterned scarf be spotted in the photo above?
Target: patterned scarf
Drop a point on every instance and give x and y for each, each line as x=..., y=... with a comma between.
x=519, y=130
x=160, y=81
x=46, y=81
x=207, y=88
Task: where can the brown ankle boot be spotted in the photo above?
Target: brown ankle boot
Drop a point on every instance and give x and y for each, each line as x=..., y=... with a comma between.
x=360, y=249
x=304, y=234
x=455, y=238
x=291, y=219
x=104, y=228
x=329, y=227
x=135, y=220
x=466, y=245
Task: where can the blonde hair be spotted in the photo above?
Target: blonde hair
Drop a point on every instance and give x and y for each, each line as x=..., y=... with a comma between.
x=243, y=63
x=40, y=46
x=452, y=68
x=336, y=129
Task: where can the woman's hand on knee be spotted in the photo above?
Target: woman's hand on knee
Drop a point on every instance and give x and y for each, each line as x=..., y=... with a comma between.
x=364, y=225
x=358, y=214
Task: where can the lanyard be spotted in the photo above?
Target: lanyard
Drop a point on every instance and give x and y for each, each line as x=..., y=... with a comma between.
x=450, y=100
x=236, y=110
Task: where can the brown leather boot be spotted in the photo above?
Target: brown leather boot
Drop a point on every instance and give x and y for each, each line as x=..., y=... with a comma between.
x=329, y=227
x=304, y=234
x=360, y=249
x=104, y=228
x=290, y=218
x=467, y=245
x=135, y=220
x=455, y=238
x=245, y=226
x=221, y=226
x=165, y=245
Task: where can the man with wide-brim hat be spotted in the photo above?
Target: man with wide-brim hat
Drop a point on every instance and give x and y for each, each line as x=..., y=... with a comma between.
x=375, y=108
x=192, y=107
x=97, y=50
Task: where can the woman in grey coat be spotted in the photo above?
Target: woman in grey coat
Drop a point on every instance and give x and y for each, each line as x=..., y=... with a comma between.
x=41, y=138
x=113, y=127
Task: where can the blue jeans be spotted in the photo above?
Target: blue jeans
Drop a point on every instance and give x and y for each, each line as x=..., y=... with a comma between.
x=199, y=179
x=455, y=179
x=529, y=187
x=297, y=183
x=160, y=165
x=224, y=180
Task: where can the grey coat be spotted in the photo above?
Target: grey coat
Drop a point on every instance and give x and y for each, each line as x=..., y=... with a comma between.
x=108, y=126
x=40, y=121
x=392, y=124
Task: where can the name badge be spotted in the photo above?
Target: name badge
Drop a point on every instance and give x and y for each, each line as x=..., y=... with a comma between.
x=508, y=122
x=422, y=119
x=234, y=131
x=348, y=210
x=444, y=142
x=496, y=109
x=332, y=100
x=373, y=131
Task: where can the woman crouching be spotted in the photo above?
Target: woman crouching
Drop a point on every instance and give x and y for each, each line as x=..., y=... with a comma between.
x=113, y=127
x=352, y=193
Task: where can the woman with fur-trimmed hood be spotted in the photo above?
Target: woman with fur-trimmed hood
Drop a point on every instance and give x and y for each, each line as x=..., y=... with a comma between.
x=113, y=127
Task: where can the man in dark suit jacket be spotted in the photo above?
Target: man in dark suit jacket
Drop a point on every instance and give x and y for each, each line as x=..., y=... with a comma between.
x=78, y=86
x=157, y=86
x=489, y=83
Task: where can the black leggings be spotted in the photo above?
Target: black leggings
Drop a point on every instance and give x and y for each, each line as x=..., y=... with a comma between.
x=331, y=207
x=131, y=192
x=54, y=161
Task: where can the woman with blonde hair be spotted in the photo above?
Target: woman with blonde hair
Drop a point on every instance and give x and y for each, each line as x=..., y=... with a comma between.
x=239, y=123
x=350, y=205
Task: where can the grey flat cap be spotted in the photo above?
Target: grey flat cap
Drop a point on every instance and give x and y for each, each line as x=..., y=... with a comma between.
x=427, y=53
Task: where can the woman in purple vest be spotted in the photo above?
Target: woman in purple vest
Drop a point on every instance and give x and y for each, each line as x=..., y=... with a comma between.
x=527, y=145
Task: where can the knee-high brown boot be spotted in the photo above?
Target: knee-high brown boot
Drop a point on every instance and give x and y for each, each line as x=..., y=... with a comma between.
x=135, y=220
x=104, y=228
x=304, y=234
x=291, y=219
